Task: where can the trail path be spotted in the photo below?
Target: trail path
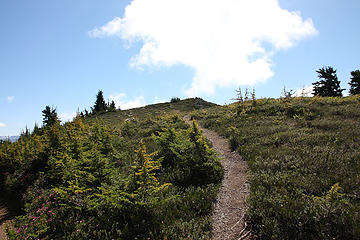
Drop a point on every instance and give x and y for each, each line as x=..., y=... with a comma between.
x=229, y=209
x=3, y=221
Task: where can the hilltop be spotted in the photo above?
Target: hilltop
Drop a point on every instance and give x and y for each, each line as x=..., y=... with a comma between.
x=155, y=110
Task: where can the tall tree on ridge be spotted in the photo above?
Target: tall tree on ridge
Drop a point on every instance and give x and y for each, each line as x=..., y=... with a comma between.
x=355, y=82
x=112, y=106
x=100, y=104
x=328, y=85
x=49, y=116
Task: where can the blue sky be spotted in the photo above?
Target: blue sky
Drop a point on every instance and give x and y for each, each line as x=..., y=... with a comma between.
x=60, y=53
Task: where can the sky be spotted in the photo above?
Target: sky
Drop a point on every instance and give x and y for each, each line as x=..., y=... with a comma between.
x=138, y=52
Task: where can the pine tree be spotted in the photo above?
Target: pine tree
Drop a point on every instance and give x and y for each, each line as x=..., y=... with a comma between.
x=328, y=85
x=49, y=116
x=112, y=106
x=355, y=82
x=100, y=104
x=146, y=166
x=36, y=129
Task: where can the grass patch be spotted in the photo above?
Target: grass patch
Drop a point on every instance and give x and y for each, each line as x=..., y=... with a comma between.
x=304, y=159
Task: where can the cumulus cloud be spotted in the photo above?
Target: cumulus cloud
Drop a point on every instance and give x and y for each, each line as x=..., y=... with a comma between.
x=306, y=91
x=10, y=98
x=124, y=103
x=226, y=42
x=159, y=100
x=67, y=116
x=2, y=124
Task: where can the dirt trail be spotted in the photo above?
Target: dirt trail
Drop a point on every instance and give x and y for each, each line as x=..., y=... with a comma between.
x=229, y=209
x=3, y=221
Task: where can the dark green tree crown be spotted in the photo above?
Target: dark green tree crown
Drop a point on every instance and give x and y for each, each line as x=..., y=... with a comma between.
x=100, y=104
x=355, y=82
x=328, y=85
x=49, y=116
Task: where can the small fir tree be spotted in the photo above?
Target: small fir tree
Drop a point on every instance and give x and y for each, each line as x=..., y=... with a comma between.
x=100, y=104
x=112, y=106
x=328, y=85
x=355, y=82
x=146, y=166
x=49, y=116
x=36, y=129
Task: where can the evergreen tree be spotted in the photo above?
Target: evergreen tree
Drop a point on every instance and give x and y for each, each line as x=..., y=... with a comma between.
x=112, y=107
x=328, y=85
x=355, y=82
x=36, y=129
x=49, y=116
x=100, y=104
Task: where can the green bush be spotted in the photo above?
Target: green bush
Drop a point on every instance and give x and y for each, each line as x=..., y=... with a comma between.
x=145, y=179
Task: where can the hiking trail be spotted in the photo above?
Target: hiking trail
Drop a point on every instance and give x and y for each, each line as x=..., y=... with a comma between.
x=229, y=208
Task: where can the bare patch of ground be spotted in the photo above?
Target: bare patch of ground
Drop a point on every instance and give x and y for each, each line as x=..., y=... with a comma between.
x=229, y=209
x=3, y=221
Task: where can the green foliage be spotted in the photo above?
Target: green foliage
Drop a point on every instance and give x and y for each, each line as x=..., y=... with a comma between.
x=49, y=116
x=88, y=180
x=145, y=167
x=100, y=105
x=303, y=156
x=188, y=162
x=175, y=100
x=355, y=82
x=329, y=85
x=112, y=107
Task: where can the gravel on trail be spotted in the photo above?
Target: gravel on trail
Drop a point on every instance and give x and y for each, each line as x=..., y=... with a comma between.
x=229, y=208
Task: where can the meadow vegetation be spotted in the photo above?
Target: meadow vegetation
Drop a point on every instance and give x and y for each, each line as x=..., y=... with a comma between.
x=304, y=163
x=146, y=174
x=113, y=177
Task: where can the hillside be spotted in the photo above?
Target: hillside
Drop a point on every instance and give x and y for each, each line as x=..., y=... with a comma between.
x=145, y=173
x=304, y=160
x=135, y=174
x=154, y=110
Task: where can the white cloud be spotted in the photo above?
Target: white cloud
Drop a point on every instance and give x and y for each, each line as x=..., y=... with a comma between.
x=67, y=116
x=226, y=42
x=306, y=91
x=122, y=101
x=10, y=98
x=158, y=100
x=2, y=124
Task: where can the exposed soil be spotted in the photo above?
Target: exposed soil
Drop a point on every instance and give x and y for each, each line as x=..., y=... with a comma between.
x=3, y=221
x=229, y=208
x=9, y=208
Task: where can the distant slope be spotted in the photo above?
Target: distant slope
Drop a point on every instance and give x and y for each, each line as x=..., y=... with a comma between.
x=153, y=110
x=10, y=138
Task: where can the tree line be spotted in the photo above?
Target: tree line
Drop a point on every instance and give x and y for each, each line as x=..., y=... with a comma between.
x=329, y=84
x=50, y=115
